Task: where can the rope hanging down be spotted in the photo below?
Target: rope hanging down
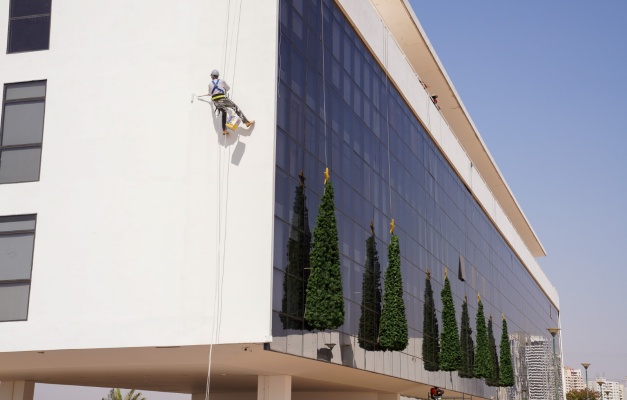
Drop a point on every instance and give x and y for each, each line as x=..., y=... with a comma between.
x=222, y=194
x=324, y=84
x=387, y=114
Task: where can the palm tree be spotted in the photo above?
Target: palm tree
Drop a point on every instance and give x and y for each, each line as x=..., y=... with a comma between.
x=116, y=394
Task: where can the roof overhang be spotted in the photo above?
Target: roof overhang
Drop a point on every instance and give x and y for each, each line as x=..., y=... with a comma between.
x=408, y=33
x=234, y=368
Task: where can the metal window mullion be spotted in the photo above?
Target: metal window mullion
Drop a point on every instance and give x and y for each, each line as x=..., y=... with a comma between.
x=29, y=16
x=18, y=232
x=25, y=99
x=20, y=146
x=13, y=281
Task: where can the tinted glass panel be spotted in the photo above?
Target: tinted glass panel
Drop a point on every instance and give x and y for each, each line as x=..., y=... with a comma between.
x=19, y=165
x=384, y=165
x=23, y=123
x=14, y=301
x=25, y=90
x=29, y=34
x=16, y=256
x=22, y=8
x=17, y=223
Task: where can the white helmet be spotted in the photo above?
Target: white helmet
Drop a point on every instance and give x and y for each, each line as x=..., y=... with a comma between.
x=215, y=73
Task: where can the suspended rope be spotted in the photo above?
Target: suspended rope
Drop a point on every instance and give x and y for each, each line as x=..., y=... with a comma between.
x=278, y=93
x=217, y=273
x=387, y=117
x=239, y=18
x=324, y=84
x=324, y=107
x=223, y=197
x=223, y=192
x=230, y=50
x=225, y=47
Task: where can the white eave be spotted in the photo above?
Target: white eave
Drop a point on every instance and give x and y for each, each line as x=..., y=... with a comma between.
x=408, y=33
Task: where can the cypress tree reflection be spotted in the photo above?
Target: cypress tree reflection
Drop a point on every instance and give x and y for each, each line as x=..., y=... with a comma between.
x=493, y=379
x=506, y=374
x=467, y=344
x=297, y=271
x=371, y=297
x=430, y=331
x=483, y=360
x=450, y=357
x=394, y=332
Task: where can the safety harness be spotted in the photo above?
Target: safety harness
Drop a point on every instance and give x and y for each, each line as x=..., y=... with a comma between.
x=220, y=94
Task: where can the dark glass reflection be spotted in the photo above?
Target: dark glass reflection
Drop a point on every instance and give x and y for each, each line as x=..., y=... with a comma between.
x=337, y=108
x=371, y=297
x=297, y=270
x=430, y=330
x=467, y=345
x=29, y=34
x=22, y=8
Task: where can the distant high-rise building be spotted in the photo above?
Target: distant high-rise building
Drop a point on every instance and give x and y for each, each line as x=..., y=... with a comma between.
x=573, y=379
x=611, y=390
x=532, y=359
x=539, y=368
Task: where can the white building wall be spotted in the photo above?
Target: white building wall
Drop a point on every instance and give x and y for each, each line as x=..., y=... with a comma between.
x=573, y=379
x=127, y=242
x=612, y=390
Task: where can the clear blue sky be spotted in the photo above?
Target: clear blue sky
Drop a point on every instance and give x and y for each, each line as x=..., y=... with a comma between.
x=545, y=83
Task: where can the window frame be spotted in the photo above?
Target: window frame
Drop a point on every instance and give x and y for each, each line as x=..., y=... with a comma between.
x=28, y=281
x=24, y=17
x=36, y=145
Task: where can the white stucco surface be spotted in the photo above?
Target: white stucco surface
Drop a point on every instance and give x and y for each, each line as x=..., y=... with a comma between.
x=149, y=230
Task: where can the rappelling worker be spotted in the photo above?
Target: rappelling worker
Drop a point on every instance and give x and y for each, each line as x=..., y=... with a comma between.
x=217, y=91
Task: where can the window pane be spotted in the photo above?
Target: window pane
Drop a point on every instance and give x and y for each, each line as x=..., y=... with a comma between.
x=298, y=74
x=14, y=300
x=29, y=34
x=22, y=8
x=23, y=123
x=17, y=223
x=16, y=256
x=19, y=165
x=299, y=32
x=25, y=90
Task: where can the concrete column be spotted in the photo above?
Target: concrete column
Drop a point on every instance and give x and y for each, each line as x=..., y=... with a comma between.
x=276, y=387
x=17, y=390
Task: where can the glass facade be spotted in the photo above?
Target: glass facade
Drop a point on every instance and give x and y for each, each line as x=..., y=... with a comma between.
x=383, y=165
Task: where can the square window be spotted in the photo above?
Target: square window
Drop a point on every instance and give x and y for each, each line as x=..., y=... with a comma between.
x=20, y=164
x=24, y=8
x=29, y=25
x=23, y=122
x=17, y=241
x=21, y=131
